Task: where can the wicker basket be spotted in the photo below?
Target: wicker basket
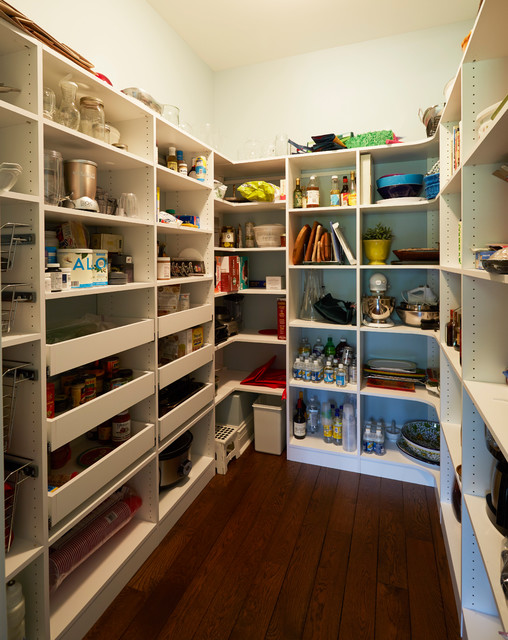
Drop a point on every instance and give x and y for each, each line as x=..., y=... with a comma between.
x=431, y=185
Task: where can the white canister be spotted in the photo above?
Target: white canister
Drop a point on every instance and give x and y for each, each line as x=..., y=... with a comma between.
x=81, y=263
x=100, y=267
x=163, y=268
x=66, y=278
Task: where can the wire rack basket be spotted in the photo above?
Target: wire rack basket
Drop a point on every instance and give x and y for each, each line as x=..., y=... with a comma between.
x=10, y=240
x=13, y=373
x=16, y=471
x=10, y=298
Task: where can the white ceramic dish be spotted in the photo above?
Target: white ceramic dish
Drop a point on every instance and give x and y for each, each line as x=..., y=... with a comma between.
x=408, y=200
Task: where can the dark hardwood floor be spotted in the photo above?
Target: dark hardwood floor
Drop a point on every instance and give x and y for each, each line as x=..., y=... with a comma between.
x=278, y=549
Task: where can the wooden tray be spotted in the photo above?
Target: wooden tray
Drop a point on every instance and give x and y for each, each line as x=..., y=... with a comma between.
x=416, y=255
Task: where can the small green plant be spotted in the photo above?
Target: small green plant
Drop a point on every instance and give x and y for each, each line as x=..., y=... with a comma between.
x=379, y=232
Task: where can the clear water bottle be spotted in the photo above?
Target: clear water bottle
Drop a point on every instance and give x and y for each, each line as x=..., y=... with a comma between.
x=337, y=428
x=307, y=370
x=326, y=421
x=296, y=368
x=318, y=347
x=314, y=413
x=379, y=440
x=304, y=348
x=328, y=372
x=340, y=379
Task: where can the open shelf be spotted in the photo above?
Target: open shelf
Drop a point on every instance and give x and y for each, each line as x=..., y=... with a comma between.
x=230, y=381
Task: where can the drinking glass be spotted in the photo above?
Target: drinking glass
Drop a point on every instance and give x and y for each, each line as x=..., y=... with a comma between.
x=128, y=205
x=48, y=103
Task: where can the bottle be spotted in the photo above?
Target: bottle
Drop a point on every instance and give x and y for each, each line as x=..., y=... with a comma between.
x=121, y=428
x=326, y=421
x=335, y=192
x=316, y=371
x=297, y=195
x=368, y=439
x=329, y=349
x=15, y=604
x=328, y=372
x=344, y=194
x=299, y=420
x=340, y=380
x=171, y=161
x=314, y=412
x=449, y=329
x=352, y=190
x=353, y=372
x=304, y=198
x=339, y=349
x=55, y=274
x=249, y=235
x=379, y=441
x=304, y=348
x=337, y=428
x=296, y=368
x=307, y=368
x=458, y=330
x=312, y=193
x=318, y=347
x=182, y=165
x=239, y=237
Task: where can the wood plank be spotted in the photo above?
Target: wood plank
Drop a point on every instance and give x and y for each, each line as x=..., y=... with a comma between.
x=443, y=569
x=392, y=613
x=186, y=616
x=290, y=611
x=392, y=567
x=416, y=512
x=118, y=616
x=427, y=614
x=324, y=612
x=358, y=619
x=259, y=604
x=227, y=602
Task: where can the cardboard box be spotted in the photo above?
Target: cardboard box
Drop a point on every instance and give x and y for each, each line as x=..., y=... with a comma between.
x=109, y=241
x=229, y=274
x=479, y=255
x=244, y=273
x=275, y=283
x=281, y=318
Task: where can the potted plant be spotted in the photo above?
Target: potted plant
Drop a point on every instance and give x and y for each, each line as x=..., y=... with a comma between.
x=376, y=243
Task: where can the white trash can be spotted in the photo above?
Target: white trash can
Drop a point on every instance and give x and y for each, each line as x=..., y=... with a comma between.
x=269, y=424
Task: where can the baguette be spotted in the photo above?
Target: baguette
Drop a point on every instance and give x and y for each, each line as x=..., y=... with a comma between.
x=310, y=244
x=300, y=242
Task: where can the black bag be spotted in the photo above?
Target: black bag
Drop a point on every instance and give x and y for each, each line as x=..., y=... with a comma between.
x=337, y=311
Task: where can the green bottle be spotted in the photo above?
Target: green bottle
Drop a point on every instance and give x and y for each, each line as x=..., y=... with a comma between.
x=329, y=347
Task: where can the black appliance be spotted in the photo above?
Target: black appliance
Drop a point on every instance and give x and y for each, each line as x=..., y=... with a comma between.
x=497, y=498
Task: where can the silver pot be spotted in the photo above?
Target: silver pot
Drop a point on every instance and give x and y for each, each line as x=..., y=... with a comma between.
x=414, y=317
x=175, y=461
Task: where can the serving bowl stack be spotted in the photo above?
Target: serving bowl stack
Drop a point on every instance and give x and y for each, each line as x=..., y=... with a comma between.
x=400, y=185
x=420, y=439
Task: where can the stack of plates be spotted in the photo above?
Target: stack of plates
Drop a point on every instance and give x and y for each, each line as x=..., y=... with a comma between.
x=420, y=439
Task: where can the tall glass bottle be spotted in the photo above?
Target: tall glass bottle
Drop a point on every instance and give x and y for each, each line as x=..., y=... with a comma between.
x=313, y=193
x=297, y=195
x=344, y=194
x=67, y=113
x=335, y=192
x=352, y=189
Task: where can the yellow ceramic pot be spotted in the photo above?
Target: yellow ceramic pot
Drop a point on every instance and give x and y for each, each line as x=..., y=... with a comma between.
x=377, y=251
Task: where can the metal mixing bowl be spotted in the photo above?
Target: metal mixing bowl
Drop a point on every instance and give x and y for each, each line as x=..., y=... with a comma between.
x=414, y=318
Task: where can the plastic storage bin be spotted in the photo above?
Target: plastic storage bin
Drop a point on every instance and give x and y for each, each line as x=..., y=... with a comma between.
x=269, y=424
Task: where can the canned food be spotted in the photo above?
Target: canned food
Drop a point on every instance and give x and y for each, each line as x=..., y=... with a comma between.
x=111, y=365
x=104, y=431
x=78, y=392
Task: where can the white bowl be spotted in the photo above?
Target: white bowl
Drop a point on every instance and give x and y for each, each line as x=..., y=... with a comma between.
x=9, y=173
x=268, y=235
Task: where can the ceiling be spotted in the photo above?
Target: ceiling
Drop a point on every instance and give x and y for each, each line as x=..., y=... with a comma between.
x=233, y=33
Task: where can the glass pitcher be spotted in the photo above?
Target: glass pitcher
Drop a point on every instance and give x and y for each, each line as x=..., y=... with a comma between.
x=53, y=177
x=312, y=292
x=67, y=113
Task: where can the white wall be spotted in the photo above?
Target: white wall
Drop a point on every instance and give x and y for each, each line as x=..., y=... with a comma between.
x=373, y=85
x=130, y=43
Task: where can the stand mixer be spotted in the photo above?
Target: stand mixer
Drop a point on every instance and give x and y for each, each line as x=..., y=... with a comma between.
x=81, y=184
x=377, y=308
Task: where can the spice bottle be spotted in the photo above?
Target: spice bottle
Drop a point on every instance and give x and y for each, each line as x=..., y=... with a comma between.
x=182, y=165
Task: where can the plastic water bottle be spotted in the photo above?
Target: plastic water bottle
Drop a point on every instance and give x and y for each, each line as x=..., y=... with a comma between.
x=304, y=348
x=340, y=380
x=326, y=421
x=15, y=611
x=307, y=370
x=349, y=427
x=368, y=439
x=314, y=411
x=318, y=347
x=296, y=368
x=316, y=371
x=328, y=372
x=379, y=441
x=337, y=428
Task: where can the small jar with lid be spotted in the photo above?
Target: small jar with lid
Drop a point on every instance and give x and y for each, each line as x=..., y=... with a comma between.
x=55, y=274
x=227, y=237
x=92, y=120
x=182, y=165
x=121, y=428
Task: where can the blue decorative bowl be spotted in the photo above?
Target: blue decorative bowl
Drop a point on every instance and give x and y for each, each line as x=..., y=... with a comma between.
x=401, y=185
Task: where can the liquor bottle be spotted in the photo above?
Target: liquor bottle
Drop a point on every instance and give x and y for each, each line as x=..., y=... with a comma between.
x=312, y=193
x=297, y=195
x=344, y=194
x=335, y=192
x=449, y=330
x=299, y=419
x=352, y=189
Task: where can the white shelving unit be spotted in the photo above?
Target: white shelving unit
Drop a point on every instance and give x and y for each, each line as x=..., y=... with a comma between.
x=42, y=517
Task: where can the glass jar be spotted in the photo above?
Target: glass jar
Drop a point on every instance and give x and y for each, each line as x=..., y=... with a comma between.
x=67, y=113
x=93, y=120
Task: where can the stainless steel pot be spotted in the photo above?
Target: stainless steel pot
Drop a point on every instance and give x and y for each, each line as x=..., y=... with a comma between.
x=175, y=461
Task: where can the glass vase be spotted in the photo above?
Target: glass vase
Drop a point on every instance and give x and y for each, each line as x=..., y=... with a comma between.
x=67, y=113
